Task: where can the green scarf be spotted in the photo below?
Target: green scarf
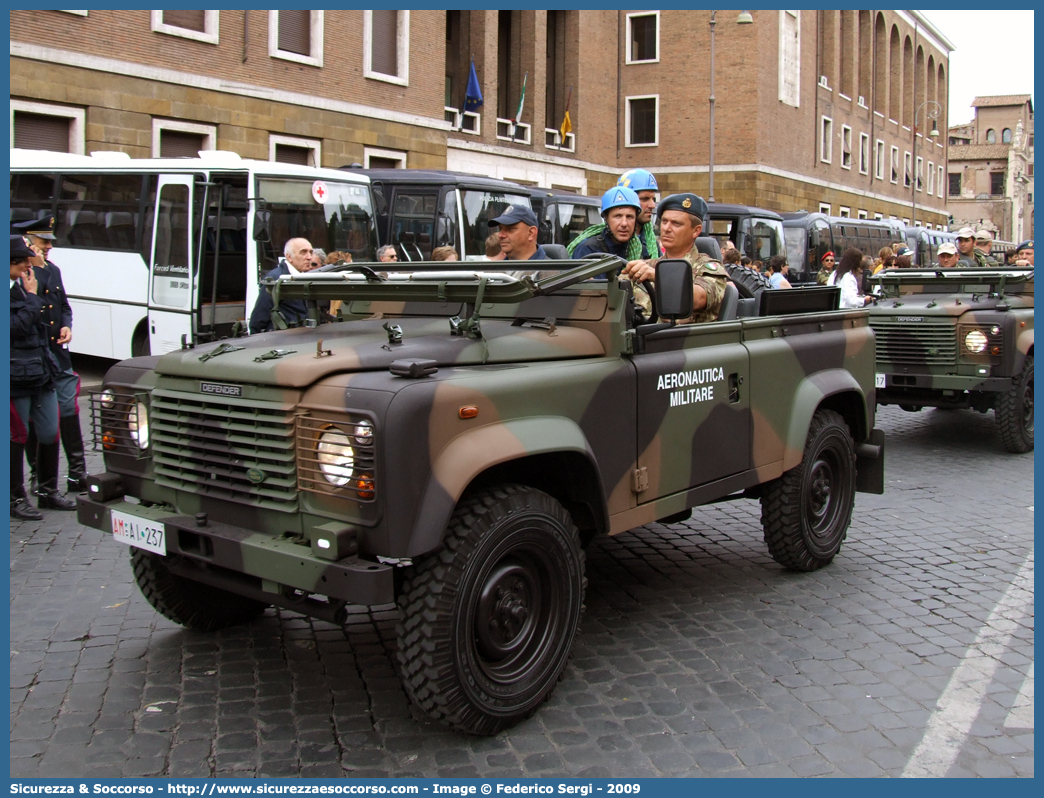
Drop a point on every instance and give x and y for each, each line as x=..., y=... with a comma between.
x=634, y=246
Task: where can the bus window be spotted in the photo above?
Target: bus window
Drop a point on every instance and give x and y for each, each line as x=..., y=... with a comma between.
x=764, y=237
x=98, y=211
x=446, y=225
x=479, y=207
x=797, y=246
x=571, y=219
x=343, y=221
x=413, y=223
x=171, y=270
x=32, y=197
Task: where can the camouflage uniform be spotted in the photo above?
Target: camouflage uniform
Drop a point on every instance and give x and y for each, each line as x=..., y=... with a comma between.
x=707, y=273
x=976, y=260
x=822, y=276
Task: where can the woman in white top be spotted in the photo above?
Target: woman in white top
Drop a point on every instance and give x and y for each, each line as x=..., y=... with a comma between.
x=847, y=276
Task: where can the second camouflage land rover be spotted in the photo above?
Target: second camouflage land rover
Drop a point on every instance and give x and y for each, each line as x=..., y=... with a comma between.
x=958, y=338
x=454, y=443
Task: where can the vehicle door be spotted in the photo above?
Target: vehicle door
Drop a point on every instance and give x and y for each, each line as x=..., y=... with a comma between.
x=694, y=419
x=171, y=268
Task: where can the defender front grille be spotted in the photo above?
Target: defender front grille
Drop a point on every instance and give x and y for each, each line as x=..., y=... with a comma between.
x=115, y=422
x=238, y=450
x=915, y=343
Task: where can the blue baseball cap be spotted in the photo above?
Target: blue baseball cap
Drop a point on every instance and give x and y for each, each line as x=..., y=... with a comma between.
x=516, y=213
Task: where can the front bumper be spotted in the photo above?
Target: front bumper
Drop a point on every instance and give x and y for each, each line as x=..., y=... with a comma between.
x=279, y=563
x=896, y=382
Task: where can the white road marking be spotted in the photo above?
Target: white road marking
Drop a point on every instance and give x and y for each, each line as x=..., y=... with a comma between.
x=1021, y=715
x=959, y=704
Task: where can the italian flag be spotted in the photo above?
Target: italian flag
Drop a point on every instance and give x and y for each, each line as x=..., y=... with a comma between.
x=521, y=102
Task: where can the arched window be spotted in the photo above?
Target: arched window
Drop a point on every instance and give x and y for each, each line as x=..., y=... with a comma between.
x=1006, y=135
x=991, y=136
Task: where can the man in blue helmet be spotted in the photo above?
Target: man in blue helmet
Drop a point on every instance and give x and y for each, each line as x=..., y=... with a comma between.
x=620, y=209
x=643, y=245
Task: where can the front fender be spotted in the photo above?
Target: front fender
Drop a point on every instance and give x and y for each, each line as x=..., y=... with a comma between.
x=810, y=396
x=1023, y=347
x=468, y=455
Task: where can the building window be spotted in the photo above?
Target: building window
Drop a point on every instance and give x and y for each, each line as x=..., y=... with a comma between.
x=862, y=214
x=374, y=158
x=955, y=184
x=1006, y=136
x=38, y=126
x=878, y=217
x=864, y=154
x=931, y=177
x=288, y=149
x=790, y=57
x=642, y=122
x=202, y=26
x=643, y=38
x=1029, y=170
x=879, y=159
x=894, y=165
x=996, y=183
x=991, y=136
x=296, y=36
x=174, y=139
x=386, y=46
x=77, y=13
x=845, y=211
x=826, y=139
x=919, y=175
x=824, y=207
x=846, y=147
x=907, y=169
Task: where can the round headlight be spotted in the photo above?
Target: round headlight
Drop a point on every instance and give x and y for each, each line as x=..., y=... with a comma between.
x=107, y=399
x=975, y=341
x=335, y=457
x=363, y=433
x=138, y=425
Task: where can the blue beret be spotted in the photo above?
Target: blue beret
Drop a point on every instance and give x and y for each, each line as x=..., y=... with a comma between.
x=687, y=203
x=1025, y=245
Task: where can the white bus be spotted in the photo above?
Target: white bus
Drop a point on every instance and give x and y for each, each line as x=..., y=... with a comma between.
x=142, y=275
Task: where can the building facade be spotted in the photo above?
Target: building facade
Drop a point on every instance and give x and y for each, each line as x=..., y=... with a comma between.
x=814, y=110
x=990, y=173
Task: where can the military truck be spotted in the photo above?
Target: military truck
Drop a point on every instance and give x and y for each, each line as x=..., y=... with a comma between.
x=454, y=443
x=958, y=338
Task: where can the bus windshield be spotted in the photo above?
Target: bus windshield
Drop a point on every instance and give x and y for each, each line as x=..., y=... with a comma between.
x=797, y=241
x=479, y=207
x=341, y=221
x=765, y=237
x=571, y=218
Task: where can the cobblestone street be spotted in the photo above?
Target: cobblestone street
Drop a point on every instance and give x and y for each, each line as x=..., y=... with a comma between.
x=698, y=655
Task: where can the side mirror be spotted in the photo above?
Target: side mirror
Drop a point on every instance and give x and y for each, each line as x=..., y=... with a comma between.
x=262, y=225
x=673, y=289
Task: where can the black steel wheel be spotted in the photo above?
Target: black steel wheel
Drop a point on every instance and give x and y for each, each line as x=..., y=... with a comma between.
x=487, y=621
x=805, y=512
x=1015, y=412
x=186, y=601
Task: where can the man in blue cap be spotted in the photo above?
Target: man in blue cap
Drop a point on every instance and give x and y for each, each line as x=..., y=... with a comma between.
x=620, y=209
x=1024, y=253
x=517, y=229
x=681, y=222
x=643, y=244
x=57, y=318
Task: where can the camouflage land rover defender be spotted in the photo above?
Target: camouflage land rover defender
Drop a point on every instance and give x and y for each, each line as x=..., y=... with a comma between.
x=958, y=338
x=454, y=443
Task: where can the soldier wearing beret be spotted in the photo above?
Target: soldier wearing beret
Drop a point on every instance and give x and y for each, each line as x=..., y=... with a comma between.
x=56, y=315
x=681, y=222
x=1024, y=254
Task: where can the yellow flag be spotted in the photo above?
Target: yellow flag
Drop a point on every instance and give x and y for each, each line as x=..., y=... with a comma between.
x=567, y=126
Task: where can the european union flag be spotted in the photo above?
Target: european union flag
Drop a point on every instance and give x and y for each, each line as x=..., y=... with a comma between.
x=473, y=96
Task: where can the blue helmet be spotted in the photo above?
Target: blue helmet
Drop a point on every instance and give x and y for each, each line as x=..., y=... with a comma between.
x=638, y=180
x=620, y=196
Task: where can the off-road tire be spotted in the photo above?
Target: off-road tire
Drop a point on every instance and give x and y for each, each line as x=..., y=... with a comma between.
x=187, y=602
x=1014, y=412
x=747, y=280
x=487, y=621
x=806, y=512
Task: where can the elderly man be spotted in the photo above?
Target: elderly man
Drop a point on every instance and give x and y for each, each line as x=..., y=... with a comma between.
x=386, y=254
x=297, y=259
x=947, y=254
x=681, y=222
x=1024, y=254
x=968, y=255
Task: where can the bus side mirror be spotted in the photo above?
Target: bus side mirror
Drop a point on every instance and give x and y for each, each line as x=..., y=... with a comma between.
x=673, y=289
x=262, y=225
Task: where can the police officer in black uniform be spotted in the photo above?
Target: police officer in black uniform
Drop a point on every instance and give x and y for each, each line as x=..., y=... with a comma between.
x=57, y=318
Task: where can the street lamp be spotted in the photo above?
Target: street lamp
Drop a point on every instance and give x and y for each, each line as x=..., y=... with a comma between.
x=934, y=109
x=744, y=18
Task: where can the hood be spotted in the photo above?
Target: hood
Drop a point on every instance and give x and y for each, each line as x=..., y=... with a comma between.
x=940, y=305
x=364, y=346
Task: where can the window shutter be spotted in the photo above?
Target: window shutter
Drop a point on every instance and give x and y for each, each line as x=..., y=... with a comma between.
x=287, y=153
x=41, y=132
x=190, y=20
x=179, y=144
x=384, y=42
x=295, y=32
